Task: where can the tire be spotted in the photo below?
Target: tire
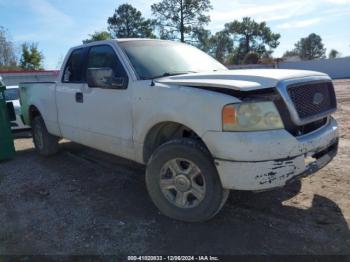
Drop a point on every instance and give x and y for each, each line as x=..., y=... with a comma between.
x=45, y=143
x=183, y=182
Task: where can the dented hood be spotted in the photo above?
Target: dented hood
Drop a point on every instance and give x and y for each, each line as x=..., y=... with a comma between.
x=243, y=80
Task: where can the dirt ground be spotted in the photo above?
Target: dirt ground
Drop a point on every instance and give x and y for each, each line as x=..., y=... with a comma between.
x=84, y=202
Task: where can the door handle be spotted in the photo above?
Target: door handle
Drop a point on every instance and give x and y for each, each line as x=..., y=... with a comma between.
x=79, y=97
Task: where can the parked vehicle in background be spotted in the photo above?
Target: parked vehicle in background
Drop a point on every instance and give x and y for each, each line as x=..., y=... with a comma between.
x=200, y=128
x=12, y=95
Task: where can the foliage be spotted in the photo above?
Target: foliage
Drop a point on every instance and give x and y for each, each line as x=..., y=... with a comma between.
x=127, y=21
x=333, y=54
x=8, y=58
x=267, y=60
x=31, y=58
x=98, y=36
x=221, y=45
x=232, y=58
x=310, y=47
x=251, y=58
x=181, y=19
x=252, y=37
x=203, y=37
x=218, y=45
x=290, y=53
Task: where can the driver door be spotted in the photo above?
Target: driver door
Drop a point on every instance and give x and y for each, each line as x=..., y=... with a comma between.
x=104, y=114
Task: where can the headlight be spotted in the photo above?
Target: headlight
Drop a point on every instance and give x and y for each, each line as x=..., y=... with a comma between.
x=251, y=117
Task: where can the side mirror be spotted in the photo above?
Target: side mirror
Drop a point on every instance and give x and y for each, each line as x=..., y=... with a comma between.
x=104, y=78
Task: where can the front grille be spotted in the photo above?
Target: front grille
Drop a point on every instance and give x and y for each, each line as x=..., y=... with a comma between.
x=310, y=127
x=312, y=99
x=290, y=126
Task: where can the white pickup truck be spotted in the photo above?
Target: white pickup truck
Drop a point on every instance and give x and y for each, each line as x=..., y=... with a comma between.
x=200, y=128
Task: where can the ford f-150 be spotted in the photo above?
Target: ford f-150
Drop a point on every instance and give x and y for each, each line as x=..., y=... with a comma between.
x=200, y=129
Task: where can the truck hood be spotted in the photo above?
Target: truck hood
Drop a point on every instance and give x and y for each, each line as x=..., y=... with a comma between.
x=242, y=80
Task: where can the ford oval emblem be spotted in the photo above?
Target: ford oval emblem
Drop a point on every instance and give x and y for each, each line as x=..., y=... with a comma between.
x=318, y=98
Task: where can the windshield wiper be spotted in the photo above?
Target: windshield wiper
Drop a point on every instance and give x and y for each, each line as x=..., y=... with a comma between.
x=172, y=74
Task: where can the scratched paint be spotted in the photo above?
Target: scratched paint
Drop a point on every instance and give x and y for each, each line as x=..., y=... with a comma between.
x=260, y=175
x=280, y=170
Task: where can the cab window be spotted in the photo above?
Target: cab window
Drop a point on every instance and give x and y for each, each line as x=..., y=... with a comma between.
x=73, y=69
x=104, y=57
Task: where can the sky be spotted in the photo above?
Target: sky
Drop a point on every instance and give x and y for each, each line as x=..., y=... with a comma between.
x=58, y=25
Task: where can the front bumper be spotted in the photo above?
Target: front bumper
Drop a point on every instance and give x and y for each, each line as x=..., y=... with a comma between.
x=262, y=161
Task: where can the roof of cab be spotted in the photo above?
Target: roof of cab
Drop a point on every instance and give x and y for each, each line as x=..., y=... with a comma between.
x=137, y=39
x=120, y=40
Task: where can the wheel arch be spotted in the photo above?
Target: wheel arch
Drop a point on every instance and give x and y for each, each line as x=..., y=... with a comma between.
x=33, y=111
x=163, y=132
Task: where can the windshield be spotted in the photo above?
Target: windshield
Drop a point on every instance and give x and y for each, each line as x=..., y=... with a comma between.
x=152, y=59
x=11, y=94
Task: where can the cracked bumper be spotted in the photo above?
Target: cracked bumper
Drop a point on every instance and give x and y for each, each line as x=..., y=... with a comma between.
x=257, y=171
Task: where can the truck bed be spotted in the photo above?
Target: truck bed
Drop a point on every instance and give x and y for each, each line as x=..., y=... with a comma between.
x=45, y=91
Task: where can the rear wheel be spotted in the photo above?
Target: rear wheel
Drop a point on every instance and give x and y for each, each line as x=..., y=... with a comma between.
x=45, y=143
x=183, y=182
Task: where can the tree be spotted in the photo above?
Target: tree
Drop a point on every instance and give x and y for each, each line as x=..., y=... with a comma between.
x=333, y=54
x=203, y=39
x=310, y=47
x=181, y=19
x=218, y=45
x=232, y=58
x=98, y=36
x=31, y=58
x=290, y=53
x=221, y=46
x=127, y=21
x=8, y=58
x=267, y=59
x=252, y=37
x=251, y=58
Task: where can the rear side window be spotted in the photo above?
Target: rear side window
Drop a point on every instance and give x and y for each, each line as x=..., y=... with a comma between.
x=74, y=67
x=104, y=56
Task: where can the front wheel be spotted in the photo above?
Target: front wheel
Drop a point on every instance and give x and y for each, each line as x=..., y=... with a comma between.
x=45, y=143
x=183, y=182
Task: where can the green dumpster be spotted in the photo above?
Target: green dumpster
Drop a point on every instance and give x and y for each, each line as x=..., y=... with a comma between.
x=7, y=149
